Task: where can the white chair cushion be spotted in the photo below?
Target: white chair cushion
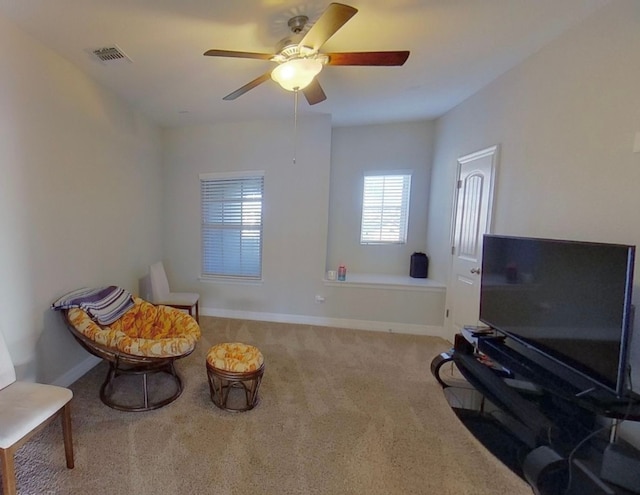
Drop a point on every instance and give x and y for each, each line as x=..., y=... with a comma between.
x=25, y=405
x=181, y=298
x=160, y=292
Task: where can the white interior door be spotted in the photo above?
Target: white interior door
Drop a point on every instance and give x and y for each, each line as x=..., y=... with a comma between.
x=471, y=220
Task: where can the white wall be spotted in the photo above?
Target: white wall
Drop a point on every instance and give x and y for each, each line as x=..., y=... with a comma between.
x=296, y=212
x=80, y=199
x=356, y=151
x=566, y=121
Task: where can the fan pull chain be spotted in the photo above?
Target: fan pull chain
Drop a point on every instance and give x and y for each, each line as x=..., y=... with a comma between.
x=295, y=125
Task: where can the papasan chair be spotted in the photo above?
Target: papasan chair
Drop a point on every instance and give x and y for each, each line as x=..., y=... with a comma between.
x=136, y=338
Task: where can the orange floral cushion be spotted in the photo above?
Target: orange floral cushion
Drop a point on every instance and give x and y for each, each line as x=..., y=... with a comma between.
x=235, y=357
x=145, y=330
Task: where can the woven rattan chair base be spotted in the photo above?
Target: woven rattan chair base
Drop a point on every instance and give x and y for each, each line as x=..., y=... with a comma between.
x=143, y=401
x=223, y=382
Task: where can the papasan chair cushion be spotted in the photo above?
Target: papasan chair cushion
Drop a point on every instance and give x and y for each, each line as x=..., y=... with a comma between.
x=144, y=330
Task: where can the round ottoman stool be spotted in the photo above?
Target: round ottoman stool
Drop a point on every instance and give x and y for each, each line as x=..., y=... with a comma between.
x=234, y=366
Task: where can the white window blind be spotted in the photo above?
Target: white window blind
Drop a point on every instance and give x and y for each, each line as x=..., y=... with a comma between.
x=232, y=225
x=385, y=209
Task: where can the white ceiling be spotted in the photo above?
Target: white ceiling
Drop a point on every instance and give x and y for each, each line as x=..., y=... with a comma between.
x=457, y=47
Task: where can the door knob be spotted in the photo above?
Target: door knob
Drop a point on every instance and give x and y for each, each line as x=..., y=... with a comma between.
x=475, y=270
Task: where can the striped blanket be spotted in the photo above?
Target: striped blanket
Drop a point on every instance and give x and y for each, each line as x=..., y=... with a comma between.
x=104, y=305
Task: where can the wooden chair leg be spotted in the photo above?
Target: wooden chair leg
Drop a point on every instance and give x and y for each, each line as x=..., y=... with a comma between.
x=8, y=472
x=197, y=313
x=66, y=433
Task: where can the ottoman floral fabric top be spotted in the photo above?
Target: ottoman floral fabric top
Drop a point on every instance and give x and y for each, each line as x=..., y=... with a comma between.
x=235, y=356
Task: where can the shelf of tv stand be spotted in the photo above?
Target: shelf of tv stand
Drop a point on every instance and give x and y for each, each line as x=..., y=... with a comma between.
x=547, y=415
x=595, y=400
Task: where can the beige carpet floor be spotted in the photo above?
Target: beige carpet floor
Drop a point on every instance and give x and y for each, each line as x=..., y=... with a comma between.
x=341, y=412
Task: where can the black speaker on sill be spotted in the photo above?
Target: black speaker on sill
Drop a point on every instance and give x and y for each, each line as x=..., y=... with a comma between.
x=419, y=265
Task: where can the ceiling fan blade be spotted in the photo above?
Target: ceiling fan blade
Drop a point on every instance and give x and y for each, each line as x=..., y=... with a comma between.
x=314, y=93
x=256, y=82
x=368, y=58
x=230, y=53
x=326, y=26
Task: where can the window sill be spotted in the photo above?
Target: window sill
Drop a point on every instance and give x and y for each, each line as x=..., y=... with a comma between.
x=393, y=282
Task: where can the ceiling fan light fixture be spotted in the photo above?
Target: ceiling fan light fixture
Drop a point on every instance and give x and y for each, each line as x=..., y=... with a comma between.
x=299, y=59
x=297, y=73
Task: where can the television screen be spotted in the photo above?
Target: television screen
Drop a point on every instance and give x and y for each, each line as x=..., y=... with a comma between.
x=568, y=300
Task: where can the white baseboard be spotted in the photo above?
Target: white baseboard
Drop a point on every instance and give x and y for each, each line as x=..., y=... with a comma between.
x=76, y=372
x=377, y=326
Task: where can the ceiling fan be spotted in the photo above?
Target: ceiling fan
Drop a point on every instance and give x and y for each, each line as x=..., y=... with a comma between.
x=300, y=61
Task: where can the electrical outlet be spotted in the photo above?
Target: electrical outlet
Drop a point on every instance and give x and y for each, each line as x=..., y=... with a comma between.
x=319, y=299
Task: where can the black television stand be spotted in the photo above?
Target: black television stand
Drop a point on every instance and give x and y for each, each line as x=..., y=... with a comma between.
x=577, y=391
x=562, y=427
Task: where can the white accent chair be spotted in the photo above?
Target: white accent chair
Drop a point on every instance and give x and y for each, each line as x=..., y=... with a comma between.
x=161, y=294
x=25, y=409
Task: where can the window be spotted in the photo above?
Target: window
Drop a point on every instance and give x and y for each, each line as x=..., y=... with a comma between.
x=232, y=225
x=385, y=209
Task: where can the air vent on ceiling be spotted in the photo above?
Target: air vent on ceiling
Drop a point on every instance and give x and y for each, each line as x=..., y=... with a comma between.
x=109, y=54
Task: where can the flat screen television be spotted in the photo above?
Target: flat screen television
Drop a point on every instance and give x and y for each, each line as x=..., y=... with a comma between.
x=567, y=301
